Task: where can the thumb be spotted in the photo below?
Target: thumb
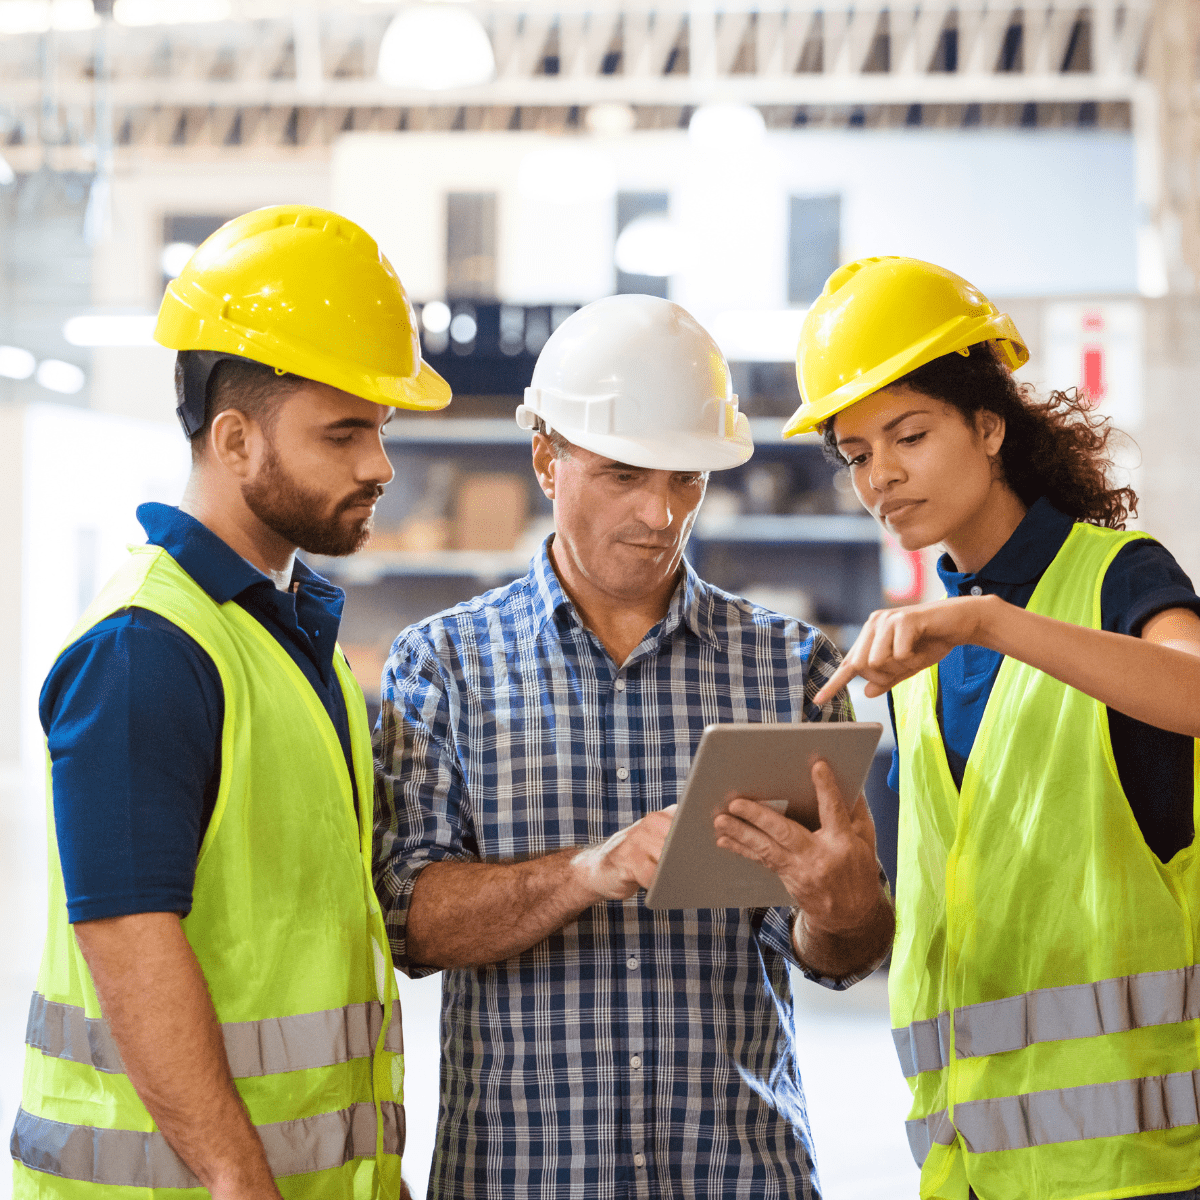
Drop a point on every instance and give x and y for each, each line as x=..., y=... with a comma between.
x=830, y=804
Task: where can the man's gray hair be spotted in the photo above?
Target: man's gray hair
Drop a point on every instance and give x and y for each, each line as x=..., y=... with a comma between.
x=558, y=443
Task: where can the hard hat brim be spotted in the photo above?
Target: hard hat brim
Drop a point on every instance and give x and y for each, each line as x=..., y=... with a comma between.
x=681, y=452
x=956, y=334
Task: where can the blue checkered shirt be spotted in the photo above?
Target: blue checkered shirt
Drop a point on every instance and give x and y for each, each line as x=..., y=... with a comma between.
x=632, y=1053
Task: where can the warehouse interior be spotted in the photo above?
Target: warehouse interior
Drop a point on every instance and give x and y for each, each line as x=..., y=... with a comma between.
x=515, y=160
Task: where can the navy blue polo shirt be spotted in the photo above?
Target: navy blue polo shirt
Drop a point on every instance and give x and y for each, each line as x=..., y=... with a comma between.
x=1155, y=766
x=133, y=713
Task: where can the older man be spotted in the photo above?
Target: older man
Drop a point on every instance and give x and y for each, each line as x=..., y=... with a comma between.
x=533, y=741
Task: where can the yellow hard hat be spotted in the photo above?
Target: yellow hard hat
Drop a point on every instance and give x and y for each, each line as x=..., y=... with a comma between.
x=307, y=292
x=879, y=318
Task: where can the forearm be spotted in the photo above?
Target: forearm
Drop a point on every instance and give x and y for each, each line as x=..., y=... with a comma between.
x=468, y=914
x=847, y=952
x=1156, y=684
x=154, y=997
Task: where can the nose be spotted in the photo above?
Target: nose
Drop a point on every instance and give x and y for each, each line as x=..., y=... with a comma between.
x=654, y=506
x=376, y=466
x=885, y=469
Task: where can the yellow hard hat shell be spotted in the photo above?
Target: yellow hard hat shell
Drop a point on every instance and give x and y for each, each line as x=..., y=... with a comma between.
x=879, y=318
x=306, y=291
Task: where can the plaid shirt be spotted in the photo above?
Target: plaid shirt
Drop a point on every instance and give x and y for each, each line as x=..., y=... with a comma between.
x=632, y=1053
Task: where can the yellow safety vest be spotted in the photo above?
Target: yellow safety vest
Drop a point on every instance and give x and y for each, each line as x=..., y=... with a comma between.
x=286, y=928
x=1045, y=992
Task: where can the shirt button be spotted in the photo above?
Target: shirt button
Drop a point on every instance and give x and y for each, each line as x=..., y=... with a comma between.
x=976, y=590
x=635, y=1062
x=639, y=1160
x=632, y=963
x=622, y=772
x=620, y=685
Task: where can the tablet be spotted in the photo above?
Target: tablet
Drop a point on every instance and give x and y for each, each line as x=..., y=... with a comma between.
x=768, y=763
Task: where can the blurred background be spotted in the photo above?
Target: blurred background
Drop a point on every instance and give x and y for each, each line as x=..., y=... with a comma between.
x=516, y=159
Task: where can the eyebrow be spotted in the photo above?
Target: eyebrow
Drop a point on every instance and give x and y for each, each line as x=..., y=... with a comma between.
x=352, y=423
x=912, y=412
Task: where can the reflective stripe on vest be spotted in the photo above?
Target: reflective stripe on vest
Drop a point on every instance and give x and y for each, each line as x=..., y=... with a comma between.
x=1052, y=1015
x=254, y=1048
x=1098, y=1110
x=128, y=1158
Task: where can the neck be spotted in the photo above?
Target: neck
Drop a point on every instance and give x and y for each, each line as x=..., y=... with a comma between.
x=619, y=623
x=980, y=539
x=220, y=508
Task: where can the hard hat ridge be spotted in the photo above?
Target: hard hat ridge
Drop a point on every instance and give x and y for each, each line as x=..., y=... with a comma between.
x=639, y=380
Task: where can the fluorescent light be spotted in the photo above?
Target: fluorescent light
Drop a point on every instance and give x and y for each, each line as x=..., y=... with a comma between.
x=7, y=174
x=435, y=316
x=610, y=120
x=567, y=175
x=175, y=257
x=111, y=329
x=758, y=336
x=650, y=245
x=16, y=363
x=726, y=126
x=170, y=12
x=434, y=46
x=73, y=14
x=59, y=376
x=24, y=16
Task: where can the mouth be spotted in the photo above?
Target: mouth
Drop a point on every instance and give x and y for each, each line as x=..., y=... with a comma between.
x=891, y=510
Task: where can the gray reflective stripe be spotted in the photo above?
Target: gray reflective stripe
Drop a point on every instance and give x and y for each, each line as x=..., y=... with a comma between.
x=254, y=1048
x=63, y=1031
x=1075, y=1114
x=923, y=1045
x=127, y=1158
x=925, y=1131
x=1078, y=1011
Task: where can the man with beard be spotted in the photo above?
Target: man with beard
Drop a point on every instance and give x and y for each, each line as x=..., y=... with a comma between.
x=214, y=1008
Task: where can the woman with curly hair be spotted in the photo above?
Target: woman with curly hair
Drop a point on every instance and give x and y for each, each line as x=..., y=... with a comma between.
x=1044, y=985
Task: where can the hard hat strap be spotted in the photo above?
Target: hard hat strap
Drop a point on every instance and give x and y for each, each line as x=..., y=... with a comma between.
x=198, y=367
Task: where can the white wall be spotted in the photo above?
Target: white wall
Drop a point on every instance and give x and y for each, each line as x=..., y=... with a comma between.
x=1022, y=214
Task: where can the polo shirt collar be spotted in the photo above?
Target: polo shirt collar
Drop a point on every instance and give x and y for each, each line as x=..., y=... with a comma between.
x=691, y=604
x=1024, y=557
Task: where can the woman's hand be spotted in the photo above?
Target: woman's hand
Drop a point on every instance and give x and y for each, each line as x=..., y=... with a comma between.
x=898, y=642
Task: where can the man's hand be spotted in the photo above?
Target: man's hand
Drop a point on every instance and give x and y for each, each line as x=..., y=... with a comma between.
x=832, y=874
x=898, y=642
x=626, y=863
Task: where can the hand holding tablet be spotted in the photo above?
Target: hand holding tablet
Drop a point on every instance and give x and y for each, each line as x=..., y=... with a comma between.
x=770, y=765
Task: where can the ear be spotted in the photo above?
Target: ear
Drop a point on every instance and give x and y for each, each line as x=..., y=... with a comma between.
x=545, y=464
x=991, y=428
x=235, y=441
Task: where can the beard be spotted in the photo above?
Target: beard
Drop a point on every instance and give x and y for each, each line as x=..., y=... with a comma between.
x=302, y=516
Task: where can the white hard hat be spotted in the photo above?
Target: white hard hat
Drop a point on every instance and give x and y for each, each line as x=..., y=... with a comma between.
x=638, y=379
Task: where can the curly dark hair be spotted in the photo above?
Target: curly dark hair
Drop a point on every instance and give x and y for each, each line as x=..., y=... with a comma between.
x=1055, y=447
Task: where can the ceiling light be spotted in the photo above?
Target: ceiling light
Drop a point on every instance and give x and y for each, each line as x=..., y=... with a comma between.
x=435, y=46
x=610, y=120
x=725, y=126
x=435, y=316
x=59, y=376
x=567, y=175
x=24, y=16
x=7, y=174
x=111, y=329
x=73, y=14
x=463, y=328
x=650, y=245
x=175, y=257
x=16, y=363
x=170, y=12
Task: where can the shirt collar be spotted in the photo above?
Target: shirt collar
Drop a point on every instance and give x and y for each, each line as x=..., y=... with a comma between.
x=1024, y=557
x=219, y=569
x=691, y=603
